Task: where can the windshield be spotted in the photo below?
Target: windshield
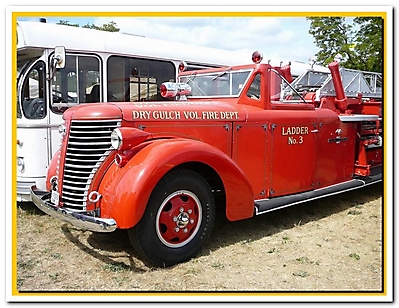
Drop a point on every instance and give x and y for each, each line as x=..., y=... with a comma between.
x=227, y=83
x=21, y=67
x=310, y=81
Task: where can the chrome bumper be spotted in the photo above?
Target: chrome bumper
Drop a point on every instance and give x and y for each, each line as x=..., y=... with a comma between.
x=42, y=200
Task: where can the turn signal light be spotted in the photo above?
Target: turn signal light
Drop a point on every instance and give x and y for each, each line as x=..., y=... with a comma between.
x=182, y=66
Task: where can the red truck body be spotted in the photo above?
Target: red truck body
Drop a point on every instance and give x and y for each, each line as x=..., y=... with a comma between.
x=241, y=138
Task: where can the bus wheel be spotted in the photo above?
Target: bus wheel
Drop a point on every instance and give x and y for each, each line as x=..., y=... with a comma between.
x=177, y=222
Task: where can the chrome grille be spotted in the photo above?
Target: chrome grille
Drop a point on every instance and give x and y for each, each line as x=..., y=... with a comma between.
x=89, y=144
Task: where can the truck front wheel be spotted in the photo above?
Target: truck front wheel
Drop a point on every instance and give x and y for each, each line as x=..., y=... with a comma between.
x=178, y=220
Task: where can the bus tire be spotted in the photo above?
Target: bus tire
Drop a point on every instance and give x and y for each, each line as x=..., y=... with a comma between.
x=177, y=222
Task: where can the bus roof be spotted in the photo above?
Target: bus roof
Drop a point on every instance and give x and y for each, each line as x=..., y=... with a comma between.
x=45, y=35
x=40, y=35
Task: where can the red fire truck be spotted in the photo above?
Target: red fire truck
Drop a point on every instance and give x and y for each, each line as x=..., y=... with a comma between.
x=244, y=139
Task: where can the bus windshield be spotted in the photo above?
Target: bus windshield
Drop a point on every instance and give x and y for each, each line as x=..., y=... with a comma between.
x=21, y=67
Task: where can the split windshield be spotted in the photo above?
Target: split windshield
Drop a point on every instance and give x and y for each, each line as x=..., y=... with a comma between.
x=310, y=81
x=227, y=83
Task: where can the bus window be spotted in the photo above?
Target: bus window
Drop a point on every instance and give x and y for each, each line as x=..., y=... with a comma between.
x=133, y=79
x=77, y=83
x=90, y=90
x=33, y=102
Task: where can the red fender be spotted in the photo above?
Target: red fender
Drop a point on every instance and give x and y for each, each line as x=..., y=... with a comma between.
x=52, y=169
x=125, y=191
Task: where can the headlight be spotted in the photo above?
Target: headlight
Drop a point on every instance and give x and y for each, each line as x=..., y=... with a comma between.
x=62, y=130
x=125, y=138
x=116, y=139
x=21, y=164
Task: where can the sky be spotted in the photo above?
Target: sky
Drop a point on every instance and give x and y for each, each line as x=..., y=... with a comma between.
x=278, y=38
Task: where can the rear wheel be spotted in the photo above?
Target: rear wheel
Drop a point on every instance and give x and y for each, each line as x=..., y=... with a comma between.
x=178, y=220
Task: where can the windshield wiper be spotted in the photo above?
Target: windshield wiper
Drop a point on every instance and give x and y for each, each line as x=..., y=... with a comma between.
x=191, y=77
x=222, y=73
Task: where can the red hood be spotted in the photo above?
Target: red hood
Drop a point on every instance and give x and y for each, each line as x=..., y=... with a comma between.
x=94, y=111
x=160, y=111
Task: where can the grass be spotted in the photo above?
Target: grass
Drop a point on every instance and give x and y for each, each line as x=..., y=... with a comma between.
x=302, y=274
x=267, y=253
x=217, y=265
x=354, y=212
x=354, y=256
x=116, y=267
x=30, y=264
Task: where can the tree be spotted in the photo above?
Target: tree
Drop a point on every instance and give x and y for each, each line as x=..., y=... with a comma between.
x=66, y=23
x=110, y=27
x=360, y=43
x=369, y=43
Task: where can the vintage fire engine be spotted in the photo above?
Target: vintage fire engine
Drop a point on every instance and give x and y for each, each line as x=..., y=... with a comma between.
x=244, y=139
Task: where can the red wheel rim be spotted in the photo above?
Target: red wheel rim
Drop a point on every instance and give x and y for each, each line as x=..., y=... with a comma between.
x=178, y=219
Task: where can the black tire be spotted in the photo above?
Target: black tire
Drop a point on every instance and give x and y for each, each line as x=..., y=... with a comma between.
x=177, y=222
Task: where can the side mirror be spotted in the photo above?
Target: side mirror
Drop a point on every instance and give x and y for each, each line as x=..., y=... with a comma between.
x=58, y=61
x=59, y=57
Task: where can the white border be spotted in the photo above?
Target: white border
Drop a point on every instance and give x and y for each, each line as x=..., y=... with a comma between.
x=388, y=198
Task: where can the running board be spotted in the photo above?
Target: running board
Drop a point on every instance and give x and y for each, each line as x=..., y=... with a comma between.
x=268, y=205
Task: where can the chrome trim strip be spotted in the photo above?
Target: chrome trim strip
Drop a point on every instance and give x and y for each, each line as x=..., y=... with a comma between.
x=42, y=200
x=358, y=117
x=33, y=125
x=23, y=187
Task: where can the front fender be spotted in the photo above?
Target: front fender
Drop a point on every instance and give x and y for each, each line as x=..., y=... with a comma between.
x=52, y=169
x=125, y=191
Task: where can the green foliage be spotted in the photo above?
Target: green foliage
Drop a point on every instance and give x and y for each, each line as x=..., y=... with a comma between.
x=66, y=23
x=354, y=212
x=217, y=265
x=110, y=27
x=302, y=274
x=360, y=42
x=116, y=267
x=369, y=43
x=354, y=256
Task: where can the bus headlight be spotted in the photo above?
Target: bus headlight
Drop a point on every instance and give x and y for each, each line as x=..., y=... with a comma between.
x=116, y=139
x=21, y=164
x=62, y=130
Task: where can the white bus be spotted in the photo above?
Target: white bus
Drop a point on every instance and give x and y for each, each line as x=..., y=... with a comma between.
x=62, y=66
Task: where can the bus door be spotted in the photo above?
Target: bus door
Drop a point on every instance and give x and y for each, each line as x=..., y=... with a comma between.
x=78, y=82
x=32, y=129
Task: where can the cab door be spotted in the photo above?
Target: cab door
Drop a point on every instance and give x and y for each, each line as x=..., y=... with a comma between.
x=293, y=150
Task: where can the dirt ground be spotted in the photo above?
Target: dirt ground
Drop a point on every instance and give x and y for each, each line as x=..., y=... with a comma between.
x=333, y=244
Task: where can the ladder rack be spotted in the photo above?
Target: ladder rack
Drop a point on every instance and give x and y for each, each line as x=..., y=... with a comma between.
x=369, y=84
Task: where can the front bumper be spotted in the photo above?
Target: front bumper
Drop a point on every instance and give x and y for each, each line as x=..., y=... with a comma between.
x=24, y=184
x=42, y=200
